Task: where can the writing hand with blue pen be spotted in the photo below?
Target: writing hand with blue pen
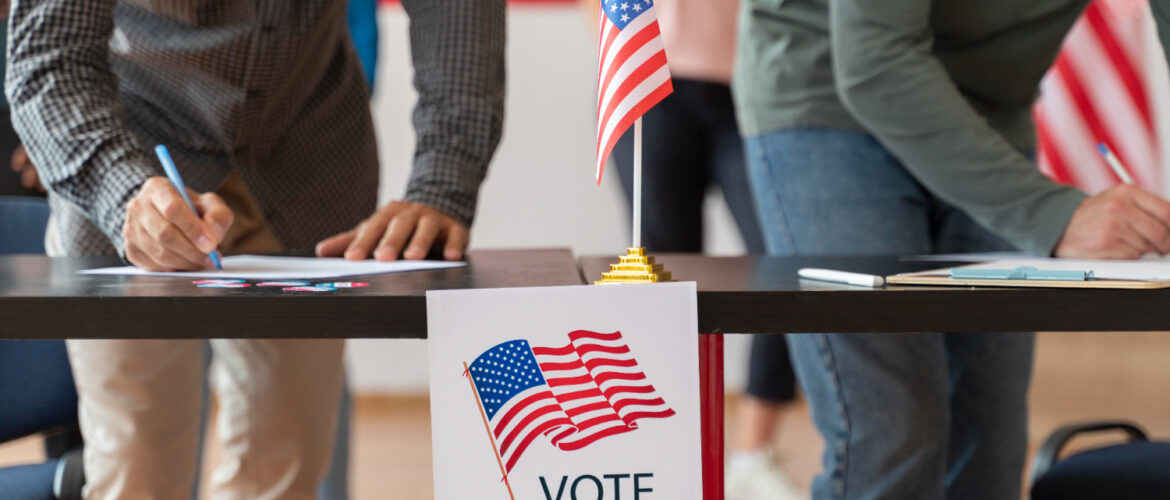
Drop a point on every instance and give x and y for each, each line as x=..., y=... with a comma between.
x=162, y=232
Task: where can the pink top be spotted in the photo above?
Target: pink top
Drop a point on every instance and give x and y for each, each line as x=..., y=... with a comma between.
x=699, y=36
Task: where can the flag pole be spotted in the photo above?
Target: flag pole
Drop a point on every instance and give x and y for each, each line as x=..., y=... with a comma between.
x=488, y=428
x=637, y=239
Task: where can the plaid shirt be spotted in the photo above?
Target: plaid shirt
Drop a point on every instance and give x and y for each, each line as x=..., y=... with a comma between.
x=269, y=88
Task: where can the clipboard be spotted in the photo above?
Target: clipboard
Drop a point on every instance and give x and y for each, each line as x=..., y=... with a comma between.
x=1036, y=274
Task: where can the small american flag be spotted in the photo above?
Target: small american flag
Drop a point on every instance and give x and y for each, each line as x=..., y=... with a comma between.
x=632, y=75
x=574, y=395
x=1102, y=89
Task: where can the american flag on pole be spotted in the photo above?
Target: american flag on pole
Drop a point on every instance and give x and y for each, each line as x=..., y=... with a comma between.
x=632, y=75
x=573, y=395
x=1101, y=90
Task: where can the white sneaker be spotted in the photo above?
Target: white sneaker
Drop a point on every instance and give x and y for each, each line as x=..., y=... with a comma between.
x=754, y=475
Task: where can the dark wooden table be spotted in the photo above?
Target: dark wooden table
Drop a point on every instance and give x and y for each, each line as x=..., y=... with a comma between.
x=764, y=295
x=46, y=298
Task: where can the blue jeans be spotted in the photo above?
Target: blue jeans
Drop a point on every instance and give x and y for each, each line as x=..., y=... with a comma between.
x=926, y=416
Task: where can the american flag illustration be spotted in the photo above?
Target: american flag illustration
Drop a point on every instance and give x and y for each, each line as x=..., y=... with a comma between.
x=573, y=395
x=1100, y=90
x=632, y=75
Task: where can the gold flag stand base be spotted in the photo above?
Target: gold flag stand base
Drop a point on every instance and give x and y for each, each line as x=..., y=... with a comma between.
x=634, y=267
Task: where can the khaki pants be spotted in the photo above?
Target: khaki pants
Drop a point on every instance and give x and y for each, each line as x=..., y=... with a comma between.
x=140, y=403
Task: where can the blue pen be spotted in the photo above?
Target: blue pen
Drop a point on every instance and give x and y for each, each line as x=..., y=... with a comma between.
x=168, y=164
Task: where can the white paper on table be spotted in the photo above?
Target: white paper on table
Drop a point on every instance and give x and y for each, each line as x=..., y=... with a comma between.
x=1147, y=269
x=256, y=267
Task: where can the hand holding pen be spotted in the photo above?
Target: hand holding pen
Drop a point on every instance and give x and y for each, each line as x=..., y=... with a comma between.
x=170, y=228
x=1123, y=222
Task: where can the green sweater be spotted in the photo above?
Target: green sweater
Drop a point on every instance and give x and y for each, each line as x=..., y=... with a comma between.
x=947, y=86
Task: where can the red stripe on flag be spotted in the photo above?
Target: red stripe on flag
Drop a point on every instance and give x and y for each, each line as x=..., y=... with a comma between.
x=568, y=365
x=586, y=334
x=648, y=414
x=1122, y=65
x=563, y=381
x=1064, y=67
x=521, y=406
x=583, y=409
x=588, y=348
x=634, y=44
x=639, y=109
x=506, y=443
x=607, y=42
x=638, y=402
x=553, y=351
x=637, y=389
x=1051, y=151
x=525, y=442
x=606, y=377
x=577, y=445
x=599, y=362
x=582, y=394
x=639, y=75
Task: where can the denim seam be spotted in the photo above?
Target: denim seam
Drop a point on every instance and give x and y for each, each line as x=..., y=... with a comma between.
x=842, y=439
x=785, y=226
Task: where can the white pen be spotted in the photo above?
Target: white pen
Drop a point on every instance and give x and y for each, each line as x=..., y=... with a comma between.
x=1115, y=164
x=856, y=279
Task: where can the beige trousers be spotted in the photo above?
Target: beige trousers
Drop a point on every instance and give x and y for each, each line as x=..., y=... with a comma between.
x=140, y=403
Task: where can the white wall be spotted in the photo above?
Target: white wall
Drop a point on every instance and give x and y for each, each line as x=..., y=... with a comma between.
x=540, y=190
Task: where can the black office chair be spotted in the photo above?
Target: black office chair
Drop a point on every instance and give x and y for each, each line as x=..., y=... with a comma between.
x=1138, y=468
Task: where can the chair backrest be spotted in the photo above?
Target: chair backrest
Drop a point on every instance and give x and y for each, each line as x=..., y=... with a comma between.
x=36, y=385
x=22, y=224
x=36, y=388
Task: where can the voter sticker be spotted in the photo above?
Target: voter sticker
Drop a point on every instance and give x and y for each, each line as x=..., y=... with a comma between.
x=218, y=282
x=284, y=283
x=224, y=285
x=345, y=284
x=310, y=289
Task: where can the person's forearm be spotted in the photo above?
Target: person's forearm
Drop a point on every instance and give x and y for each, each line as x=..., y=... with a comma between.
x=458, y=53
x=66, y=107
x=891, y=82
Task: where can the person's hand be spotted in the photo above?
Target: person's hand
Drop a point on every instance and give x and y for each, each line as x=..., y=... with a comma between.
x=1124, y=222
x=387, y=232
x=22, y=165
x=163, y=234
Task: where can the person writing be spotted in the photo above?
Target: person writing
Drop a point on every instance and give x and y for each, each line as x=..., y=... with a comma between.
x=264, y=108
x=904, y=127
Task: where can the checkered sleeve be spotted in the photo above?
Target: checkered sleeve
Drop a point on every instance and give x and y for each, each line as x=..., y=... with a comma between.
x=458, y=52
x=66, y=109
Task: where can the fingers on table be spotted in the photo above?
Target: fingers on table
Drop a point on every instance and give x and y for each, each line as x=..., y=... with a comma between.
x=335, y=246
x=457, y=238
x=368, y=234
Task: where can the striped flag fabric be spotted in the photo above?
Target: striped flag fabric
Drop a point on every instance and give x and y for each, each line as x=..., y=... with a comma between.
x=631, y=75
x=1100, y=90
x=573, y=395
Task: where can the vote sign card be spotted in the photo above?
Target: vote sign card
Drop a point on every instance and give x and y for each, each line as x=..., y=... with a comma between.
x=565, y=393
